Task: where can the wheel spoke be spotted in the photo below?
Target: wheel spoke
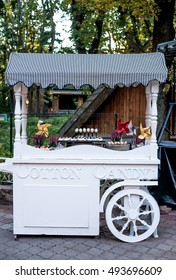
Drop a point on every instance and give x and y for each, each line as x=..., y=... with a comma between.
x=120, y=206
x=146, y=212
x=119, y=218
x=125, y=226
x=135, y=228
x=143, y=222
x=140, y=203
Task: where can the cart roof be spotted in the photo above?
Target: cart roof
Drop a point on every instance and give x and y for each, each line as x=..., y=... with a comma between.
x=82, y=69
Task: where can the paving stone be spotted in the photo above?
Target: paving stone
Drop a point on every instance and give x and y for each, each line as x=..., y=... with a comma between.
x=147, y=257
x=81, y=240
x=164, y=236
x=3, y=239
x=107, y=256
x=4, y=249
x=29, y=239
x=156, y=252
x=95, y=251
x=131, y=255
x=71, y=253
x=169, y=255
x=46, y=245
x=22, y=246
x=91, y=242
x=23, y=256
x=173, y=249
x=8, y=234
x=6, y=226
x=34, y=250
x=125, y=246
x=118, y=250
x=169, y=242
x=106, y=246
x=169, y=230
x=35, y=257
x=2, y=255
x=10, y=258
x=46, y=254
x=164, y=247
x=81, y=248
x=84, y=256
x=59, y=257
x=69, y=243
x=141, y=248
x=174, y=237
x=11, y=251
x=150, y=243
x=8, y=221
x=57, y=249
x=57, y=241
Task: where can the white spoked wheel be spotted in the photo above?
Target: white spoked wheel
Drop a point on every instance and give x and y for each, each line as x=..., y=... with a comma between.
x=132, y=215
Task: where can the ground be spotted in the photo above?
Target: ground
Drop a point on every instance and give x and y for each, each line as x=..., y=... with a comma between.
x=103, y=247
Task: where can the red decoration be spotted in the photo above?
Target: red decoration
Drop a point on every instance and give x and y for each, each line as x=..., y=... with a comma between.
x=122, y=127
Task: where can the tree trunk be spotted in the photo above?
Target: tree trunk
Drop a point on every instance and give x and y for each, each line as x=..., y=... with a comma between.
x=163, y=25
x=96, y=41
x=77, y=20
x=163, y=32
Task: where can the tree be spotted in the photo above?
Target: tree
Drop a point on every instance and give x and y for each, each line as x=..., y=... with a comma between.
x=122, y=27
x=132, y=26
x=85, y=25
x=25, y=26
x=164, y=22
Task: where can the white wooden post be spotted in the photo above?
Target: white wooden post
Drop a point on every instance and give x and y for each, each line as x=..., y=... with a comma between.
x=24, y=114
x=17, y=142
x=154, y=115
x=148, y=106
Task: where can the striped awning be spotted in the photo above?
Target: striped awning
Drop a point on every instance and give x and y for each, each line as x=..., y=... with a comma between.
x=82, y=69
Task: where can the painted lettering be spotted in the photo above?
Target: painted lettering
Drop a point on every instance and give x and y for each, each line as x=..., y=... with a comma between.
x=65, y=173
x=109, y=172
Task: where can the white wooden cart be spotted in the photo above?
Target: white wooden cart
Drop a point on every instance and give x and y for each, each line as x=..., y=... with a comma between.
x=58, y=192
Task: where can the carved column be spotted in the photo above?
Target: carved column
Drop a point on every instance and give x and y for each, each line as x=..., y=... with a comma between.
x=24, y=114
x=148, y=106
x=154, y=116
x=17, y=142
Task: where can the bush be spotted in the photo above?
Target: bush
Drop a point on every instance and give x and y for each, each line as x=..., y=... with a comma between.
x=55, y=121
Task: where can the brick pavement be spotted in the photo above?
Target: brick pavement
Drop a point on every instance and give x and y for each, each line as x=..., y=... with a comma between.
x=105, y=247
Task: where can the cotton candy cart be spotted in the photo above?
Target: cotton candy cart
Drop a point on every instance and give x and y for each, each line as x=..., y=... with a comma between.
x=63, y=192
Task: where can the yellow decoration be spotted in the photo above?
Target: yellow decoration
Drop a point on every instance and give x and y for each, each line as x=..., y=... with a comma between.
x=144, y=132
x=43, y=128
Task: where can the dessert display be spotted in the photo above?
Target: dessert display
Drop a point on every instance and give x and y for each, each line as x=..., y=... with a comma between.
x=83, y=134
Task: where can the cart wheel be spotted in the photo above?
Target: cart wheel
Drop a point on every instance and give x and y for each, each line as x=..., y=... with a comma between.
x=132, y=215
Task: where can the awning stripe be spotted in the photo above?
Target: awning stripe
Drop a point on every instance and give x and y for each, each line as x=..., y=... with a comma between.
x=80, y=69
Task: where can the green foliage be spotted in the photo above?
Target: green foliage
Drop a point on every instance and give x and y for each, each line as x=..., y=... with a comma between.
x=28, y=26
x=98, y=26
x=4, y=99
x=25, y=26
x=3, y=152
x=57, y=122
x=5, y=139
x=116, y=26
